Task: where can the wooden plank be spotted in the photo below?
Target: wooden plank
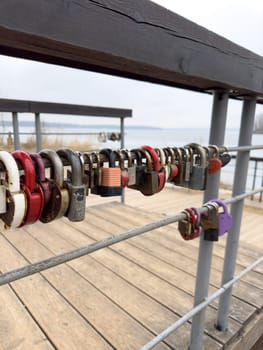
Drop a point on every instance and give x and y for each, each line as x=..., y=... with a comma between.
x=23, y=106
x=62, y=324
x=17, y=329
x=148, y=312
x=112, y=322
x=170, y=296
x=136, y=39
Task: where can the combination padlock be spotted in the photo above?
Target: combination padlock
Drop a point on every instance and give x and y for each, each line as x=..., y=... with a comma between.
x=76, y=187
x=15, y=199
x=33, y=191
x=41, y=176
x=59, y=197
x=110, y=176
x=224, y=218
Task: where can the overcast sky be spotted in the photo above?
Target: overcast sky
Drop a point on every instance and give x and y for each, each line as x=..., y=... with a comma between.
x=239, y=21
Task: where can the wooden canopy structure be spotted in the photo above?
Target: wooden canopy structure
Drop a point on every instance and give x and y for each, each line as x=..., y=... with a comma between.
x=136, y=39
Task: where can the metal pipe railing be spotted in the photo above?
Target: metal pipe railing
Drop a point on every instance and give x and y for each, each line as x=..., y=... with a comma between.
x=198, y=308
x=42, y=265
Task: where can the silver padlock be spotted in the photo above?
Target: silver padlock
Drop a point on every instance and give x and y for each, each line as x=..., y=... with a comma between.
x=77, y=189
x=15, y=198
x=199, y=168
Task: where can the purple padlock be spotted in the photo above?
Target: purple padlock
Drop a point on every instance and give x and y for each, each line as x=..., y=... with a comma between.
x=224, y=219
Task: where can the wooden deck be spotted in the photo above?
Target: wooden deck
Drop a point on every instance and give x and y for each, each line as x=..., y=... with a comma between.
x=122, y=296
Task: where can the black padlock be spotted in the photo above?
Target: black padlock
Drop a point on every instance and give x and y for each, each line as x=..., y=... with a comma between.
x=110, y=177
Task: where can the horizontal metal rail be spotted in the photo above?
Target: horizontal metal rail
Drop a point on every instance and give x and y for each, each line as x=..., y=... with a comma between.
x=103, y=158
x=42, y=265
x=164, y=334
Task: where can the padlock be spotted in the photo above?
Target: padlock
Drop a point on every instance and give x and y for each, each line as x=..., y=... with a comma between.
x=156, y=166
x=210, y=222
x=165, y=167
x=124, y=172
x=189, y=227
x=131, y=168
x=59, y=197
x=199, y=171
x=33, y=191
x=95, y=172
x=173, y=169
x=214, y=163
x=225, y=158
x=76, y=187
x=15, y=199
x=139, y=170
x=110, y=177
x=179, y=179
x=225, y=218
x=41, y=177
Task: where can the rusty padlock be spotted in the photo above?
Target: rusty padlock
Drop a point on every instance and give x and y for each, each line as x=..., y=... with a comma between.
x=15, y=198
x=33, y=191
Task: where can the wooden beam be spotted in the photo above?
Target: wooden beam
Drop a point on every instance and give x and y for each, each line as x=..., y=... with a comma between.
x=130, y=38
x=21, y=106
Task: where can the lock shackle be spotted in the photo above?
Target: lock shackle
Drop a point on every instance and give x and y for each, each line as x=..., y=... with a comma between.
x=40, y=166
x=127, y=154
x=154, y=156
x=75, y=163
x=120, y=157
x=198, y=216
x=216, y=150
x=13, y=181
x=220, y=203
x=201, y=151
x=193, y=218
x=178, y=155
x=149, y=162
x=57, y=165
x=28, y=167
x=110, y=155
x=138, y=156
x=162, y=157
x=170, y=153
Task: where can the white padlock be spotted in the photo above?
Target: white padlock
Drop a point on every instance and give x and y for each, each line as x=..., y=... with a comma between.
x=16, y=200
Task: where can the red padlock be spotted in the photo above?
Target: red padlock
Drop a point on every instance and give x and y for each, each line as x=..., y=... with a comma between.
x=41, y=177
x=33, y=191
x=156, y=166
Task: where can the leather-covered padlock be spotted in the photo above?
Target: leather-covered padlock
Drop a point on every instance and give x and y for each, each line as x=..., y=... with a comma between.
x=15, y=198
x=33, y=191
x=59, y=197
x=76, y=187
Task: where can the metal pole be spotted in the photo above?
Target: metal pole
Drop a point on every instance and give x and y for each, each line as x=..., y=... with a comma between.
x=122, y=146
x=38, y=132
x=217, y=135
x=16, y=130
x=254, y=177
x=239, y=186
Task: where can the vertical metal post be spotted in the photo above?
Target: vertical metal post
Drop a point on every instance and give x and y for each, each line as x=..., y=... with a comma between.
x=254, y=178
x=122, y=146
x=239, y=186
x=217, y=134
x=16, y=130
x=38, y=132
